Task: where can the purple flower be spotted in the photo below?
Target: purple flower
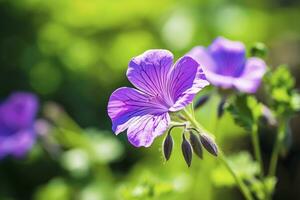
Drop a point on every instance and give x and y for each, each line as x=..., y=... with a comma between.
x=161, y=88
x=225, y=65
x=17, y=114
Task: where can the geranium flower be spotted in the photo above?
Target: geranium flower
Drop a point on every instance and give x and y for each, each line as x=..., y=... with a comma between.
x=17, y=114
x=161, y=88
x=225, y=65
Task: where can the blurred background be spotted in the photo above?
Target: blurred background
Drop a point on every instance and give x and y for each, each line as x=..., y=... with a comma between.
x=75, y=53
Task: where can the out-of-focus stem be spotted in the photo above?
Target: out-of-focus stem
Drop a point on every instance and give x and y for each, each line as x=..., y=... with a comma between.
x=276, y=149
x=258, y=157
x=257, y=151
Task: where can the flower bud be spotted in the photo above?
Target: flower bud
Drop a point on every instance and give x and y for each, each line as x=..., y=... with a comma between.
x=186, y=151
x=168, y=146
x=221, y=108
x=201, y=101
x=258, y=50
x=196, y=144
x=209, y=144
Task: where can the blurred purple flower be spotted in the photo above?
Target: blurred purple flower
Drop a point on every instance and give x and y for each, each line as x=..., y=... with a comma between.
x=17, y=114
x=161, y=88
x=225, y=65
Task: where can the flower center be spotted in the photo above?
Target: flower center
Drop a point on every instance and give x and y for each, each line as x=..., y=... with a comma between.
x=165, y=101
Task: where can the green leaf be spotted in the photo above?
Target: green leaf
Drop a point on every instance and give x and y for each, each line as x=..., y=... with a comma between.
x=242, y=164
x=147, y=187
x=295, y=101
x=245, y=110
x=270, y=183
x=55, y=189
x=258, y=50
x=246, y=169
x=284, y=99
x=259, y=187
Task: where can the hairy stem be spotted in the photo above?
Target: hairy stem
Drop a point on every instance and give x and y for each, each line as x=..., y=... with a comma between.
x=194, y=122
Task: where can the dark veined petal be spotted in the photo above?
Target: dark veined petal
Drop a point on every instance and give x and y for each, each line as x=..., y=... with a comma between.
x=146, y=128
x=17, y=144
x=229, y=56
x=186, y=79
x=128, y=105
x=18, y=111
x=148, y=71
x=249, y=81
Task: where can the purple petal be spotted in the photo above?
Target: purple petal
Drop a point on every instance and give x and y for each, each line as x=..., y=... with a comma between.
x=219, y=80
x=185, y=80
x=209, y=67
x=148, y=72
x=18, y=111
x=229, y=56
x=146, y=128
x=126, y=105
x=17, y=144
x=201, y=55
x=249, y=81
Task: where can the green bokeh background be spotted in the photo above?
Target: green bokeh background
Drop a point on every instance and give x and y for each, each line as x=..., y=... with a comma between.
x=75, y=53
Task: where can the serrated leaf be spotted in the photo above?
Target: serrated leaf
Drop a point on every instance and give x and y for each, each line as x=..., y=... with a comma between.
x=281, y=78
x=280, y=83
x=245, y=111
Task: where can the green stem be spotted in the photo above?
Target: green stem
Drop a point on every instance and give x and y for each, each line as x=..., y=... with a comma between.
x=192, y=109
x=194, y=122
x=243, y=188
x=258, y=157
x=276, y=149
x=257, y=151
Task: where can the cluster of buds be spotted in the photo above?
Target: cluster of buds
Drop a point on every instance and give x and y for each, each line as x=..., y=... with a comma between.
x=192, y=144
